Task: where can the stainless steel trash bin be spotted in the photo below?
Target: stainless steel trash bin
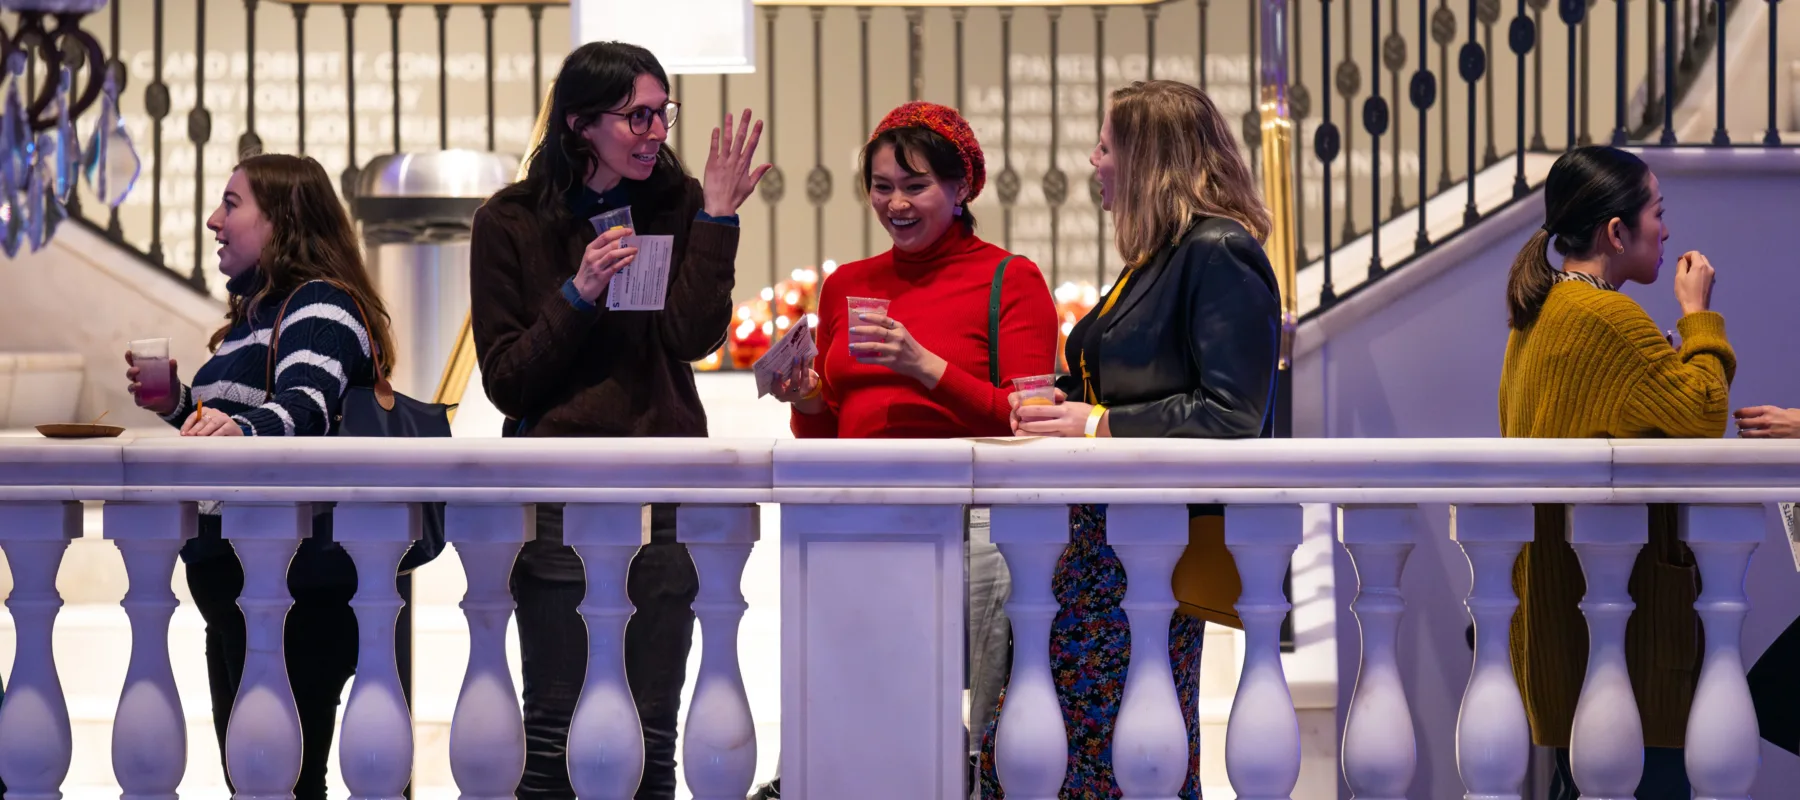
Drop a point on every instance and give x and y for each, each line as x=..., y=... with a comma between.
x=415, y=210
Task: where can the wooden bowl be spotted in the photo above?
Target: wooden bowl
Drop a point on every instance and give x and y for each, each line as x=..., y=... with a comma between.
x=79, y=430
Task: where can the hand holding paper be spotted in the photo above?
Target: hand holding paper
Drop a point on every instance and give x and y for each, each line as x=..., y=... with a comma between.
x=787, y=360
x=644, y=283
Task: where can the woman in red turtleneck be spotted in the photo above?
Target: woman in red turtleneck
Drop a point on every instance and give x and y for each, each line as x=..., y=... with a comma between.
x=926, y=372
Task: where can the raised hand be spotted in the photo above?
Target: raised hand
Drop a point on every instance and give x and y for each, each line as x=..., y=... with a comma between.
x=729, y=176
x=1693, y=282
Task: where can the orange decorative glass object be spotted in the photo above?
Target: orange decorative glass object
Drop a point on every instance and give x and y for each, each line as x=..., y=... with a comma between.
x=712, y=362
x=752, y=331
x=795, y=296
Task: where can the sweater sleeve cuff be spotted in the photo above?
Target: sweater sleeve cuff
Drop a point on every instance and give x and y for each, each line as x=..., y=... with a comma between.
x=1702, y=325
x=260, y=421
x=714, y=241
x=564, y=319
x=183, y=408
x=970, y=397
x=729, y=219
x=573, y=295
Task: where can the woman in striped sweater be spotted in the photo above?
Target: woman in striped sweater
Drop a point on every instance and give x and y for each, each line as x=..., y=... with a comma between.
x=284, y=241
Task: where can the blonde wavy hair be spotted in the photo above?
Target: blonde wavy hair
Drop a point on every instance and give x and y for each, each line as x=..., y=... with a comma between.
x=1177, y=159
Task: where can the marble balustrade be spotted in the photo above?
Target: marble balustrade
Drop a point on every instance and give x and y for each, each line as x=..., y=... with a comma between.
x=872, y=599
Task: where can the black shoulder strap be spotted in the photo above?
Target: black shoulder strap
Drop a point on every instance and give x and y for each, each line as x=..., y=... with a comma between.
x=994, y=321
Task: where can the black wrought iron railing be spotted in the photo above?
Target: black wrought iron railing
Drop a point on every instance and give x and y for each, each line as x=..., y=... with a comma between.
x=344, y=84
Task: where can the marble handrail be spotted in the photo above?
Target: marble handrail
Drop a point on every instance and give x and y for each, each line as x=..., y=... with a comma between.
x=1358, y=471
x=872, y=571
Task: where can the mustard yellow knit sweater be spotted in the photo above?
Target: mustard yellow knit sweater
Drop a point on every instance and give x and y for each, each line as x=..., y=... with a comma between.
x=1595, y=365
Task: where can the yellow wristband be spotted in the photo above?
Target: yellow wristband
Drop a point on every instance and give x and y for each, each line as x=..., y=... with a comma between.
x=1093, y=422
x=818, y=389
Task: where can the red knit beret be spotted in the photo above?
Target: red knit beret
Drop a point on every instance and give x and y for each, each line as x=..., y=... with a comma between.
x=945, y=122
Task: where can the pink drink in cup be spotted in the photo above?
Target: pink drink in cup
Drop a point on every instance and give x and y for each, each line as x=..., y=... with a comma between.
x=1036, y=390
x=151, y=357
x=859, y=306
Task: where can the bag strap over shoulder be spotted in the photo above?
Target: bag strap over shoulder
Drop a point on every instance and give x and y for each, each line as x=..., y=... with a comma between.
x=994, y=321
x=384, y=391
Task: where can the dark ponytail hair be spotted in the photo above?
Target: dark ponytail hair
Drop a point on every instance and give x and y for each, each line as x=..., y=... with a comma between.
x=1588, y=188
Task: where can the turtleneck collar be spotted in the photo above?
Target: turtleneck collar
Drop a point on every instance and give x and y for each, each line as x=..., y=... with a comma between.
x=245, y=283
x=957, y=240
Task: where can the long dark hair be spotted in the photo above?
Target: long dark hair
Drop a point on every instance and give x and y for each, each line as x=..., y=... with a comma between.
x=912, y=145
x=1588, y=187
x=311, y=240
x=597, y=77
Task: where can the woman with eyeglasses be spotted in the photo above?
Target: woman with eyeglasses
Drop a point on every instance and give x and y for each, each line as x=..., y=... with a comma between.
x=557, y=362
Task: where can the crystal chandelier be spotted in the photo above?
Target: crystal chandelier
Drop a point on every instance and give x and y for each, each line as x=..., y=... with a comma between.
x=55, y=72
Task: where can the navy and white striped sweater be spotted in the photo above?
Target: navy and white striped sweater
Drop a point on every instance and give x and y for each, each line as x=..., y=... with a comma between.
x=324, y=350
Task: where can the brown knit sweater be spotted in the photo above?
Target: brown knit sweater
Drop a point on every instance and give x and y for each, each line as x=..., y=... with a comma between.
x=1595, y=365
x=568, y=372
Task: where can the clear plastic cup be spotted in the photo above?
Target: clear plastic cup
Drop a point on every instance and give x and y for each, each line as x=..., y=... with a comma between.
x=151, y=357
x=616, y=218
x=1036, y=390
x=864, y=305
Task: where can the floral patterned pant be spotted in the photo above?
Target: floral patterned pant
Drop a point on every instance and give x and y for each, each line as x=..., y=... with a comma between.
x=1090, y=648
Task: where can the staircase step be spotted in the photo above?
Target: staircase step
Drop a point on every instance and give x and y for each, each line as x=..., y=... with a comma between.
x=1443, y=218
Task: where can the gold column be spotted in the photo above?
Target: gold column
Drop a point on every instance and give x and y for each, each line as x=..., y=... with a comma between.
x=457, y=370
x=1277, y=164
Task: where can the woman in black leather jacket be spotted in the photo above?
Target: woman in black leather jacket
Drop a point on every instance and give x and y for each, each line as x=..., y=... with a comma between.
x=1184, y=345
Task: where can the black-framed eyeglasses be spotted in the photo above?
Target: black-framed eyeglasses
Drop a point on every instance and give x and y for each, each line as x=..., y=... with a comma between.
x=640, y=117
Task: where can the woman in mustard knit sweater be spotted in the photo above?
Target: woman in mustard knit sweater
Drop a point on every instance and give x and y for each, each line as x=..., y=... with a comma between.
x=1584, y=360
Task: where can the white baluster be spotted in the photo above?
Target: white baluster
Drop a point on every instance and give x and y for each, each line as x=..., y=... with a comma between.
x=872, y=642
x=149, y=739
x=375, y=752
x=487, y=732
x=1724, y=749
x=606, y=738
x=1379, y=751
x=1262, y=739
x=1607, y=741
x=262, y=742
x=1031, y=744
x=1493, y=738
x=1150, y=743
x=35, y=740
x=719, y=747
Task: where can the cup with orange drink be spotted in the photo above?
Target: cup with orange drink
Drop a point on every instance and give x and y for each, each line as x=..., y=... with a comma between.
x=1036, y=390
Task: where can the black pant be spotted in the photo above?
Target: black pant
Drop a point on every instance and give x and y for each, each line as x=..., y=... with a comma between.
x=548, y=583
x=1665, y=776
x=320, y=646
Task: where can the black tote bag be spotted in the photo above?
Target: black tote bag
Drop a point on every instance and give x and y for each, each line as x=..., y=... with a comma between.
x=379, y=411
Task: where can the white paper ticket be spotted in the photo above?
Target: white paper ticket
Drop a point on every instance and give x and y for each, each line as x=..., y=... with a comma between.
x=1793, y=530
x=788, y=355
x=643, y=285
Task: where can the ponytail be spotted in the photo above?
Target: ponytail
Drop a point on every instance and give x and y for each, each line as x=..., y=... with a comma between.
x=1587, y=189
x=1529, y=282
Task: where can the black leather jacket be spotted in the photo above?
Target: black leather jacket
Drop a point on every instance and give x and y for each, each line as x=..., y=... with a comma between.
x=1190, y=350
